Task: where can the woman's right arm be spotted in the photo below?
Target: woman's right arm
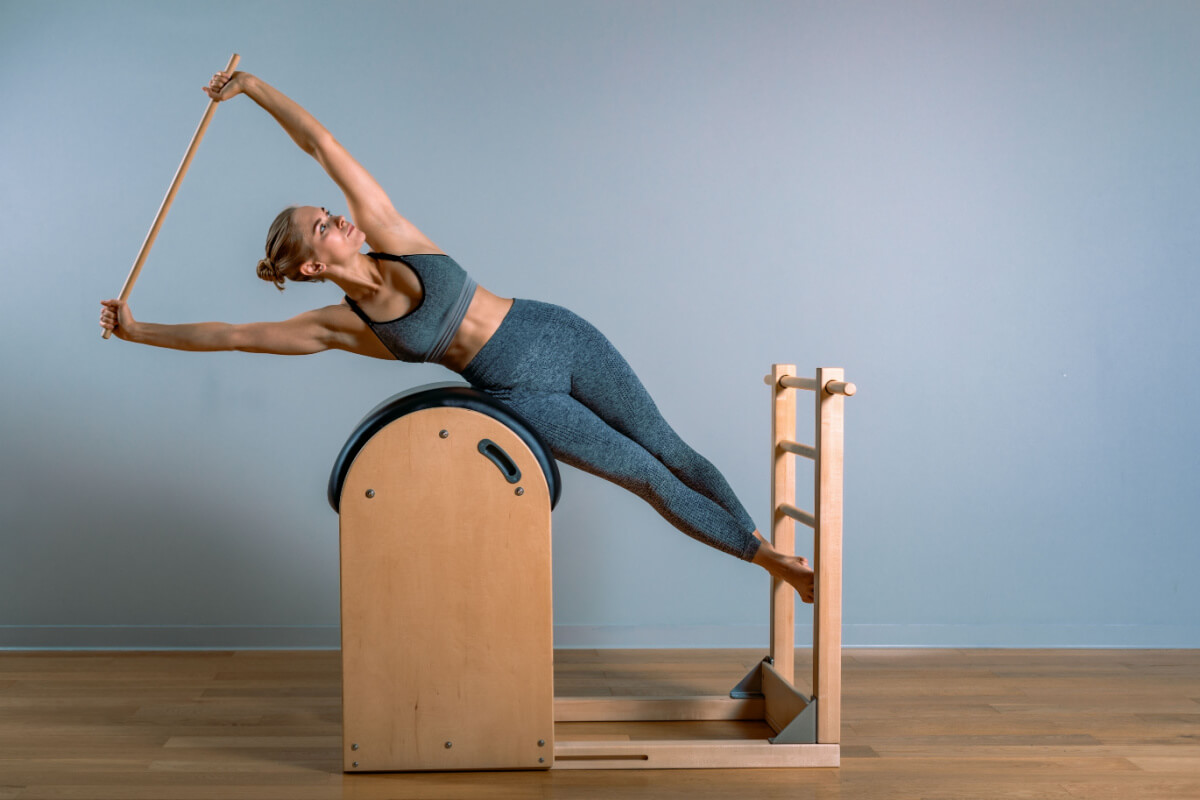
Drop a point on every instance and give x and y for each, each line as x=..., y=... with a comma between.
x=369, y=205
x=302, y=126
x=303, y=334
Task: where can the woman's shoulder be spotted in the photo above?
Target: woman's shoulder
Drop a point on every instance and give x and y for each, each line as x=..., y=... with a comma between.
x=335, y=316
x=348, y=331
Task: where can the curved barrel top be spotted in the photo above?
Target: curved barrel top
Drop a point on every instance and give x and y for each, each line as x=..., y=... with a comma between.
x=433, y=396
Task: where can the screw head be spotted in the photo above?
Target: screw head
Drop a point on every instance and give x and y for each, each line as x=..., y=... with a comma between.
x=541, y=761
x=520, y=491
x=356, y=763
x=444, y=434
x=370, y=492
x=541, y=742
x=353, y=747
x=449, y=745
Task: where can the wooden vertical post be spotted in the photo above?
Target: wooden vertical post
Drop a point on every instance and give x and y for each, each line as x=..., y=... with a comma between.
x=783, y=529
x=827, y=614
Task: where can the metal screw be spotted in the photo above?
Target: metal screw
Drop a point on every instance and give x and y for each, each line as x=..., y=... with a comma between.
x=449, y=745
x=541, y=742
x=370, y=492
x=520, y=491
x=353, y=747
x=356, y=763
x=444, y=434
x=541, y=761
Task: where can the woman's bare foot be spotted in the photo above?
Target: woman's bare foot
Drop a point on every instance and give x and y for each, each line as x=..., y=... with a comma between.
x=799, y=574
x=794, y=570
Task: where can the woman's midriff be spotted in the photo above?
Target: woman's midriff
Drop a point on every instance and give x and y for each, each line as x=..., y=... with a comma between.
x=484, y=316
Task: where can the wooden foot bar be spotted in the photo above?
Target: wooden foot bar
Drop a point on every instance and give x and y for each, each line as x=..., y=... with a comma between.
x=798, y=515
x=795, y=448
x=811, y=384
x=790, y=381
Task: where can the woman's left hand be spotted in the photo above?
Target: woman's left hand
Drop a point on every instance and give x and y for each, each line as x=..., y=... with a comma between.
x=225, y=85
x=116, y=318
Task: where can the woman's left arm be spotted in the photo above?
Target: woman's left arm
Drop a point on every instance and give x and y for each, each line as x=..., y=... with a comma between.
x=369, y=206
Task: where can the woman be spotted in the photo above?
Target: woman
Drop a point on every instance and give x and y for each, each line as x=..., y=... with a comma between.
x=548, y=363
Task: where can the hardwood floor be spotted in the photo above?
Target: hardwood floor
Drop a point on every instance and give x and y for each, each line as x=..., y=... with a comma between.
x=930, y=724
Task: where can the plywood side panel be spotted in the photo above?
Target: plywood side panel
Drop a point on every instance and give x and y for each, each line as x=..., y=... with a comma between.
x=447, y=624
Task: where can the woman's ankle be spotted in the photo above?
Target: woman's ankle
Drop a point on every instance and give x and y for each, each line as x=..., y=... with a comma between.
x=768, y=557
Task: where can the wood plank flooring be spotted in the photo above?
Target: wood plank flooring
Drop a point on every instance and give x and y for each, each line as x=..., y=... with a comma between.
x=928, y=724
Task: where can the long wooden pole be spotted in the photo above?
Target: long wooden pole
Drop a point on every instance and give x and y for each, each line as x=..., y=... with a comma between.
x=166, y=203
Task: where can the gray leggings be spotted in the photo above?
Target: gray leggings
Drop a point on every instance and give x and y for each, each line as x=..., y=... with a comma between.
x=564, y=376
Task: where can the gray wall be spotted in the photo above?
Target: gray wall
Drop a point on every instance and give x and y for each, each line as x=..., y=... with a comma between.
x=986, y=212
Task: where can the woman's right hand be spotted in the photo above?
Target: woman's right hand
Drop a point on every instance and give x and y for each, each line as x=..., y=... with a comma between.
x=225, y=85
x=117, y=319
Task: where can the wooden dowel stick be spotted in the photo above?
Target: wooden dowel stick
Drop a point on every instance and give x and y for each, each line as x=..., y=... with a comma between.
x=166, y=203
x=833, y=387
x=798, y=514
x=807, y=451
x=792, y=382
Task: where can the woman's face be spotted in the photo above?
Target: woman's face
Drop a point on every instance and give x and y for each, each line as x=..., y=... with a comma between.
x=332, y=238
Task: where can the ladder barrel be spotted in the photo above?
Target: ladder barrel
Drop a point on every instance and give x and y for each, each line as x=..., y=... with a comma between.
x=444, y=497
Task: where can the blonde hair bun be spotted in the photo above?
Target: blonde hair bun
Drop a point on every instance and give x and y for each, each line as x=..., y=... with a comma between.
x=267, y=271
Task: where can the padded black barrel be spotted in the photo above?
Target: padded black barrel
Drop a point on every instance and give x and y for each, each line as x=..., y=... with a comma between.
x=456, y=395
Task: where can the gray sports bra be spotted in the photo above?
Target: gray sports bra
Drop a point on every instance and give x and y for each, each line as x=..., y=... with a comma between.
x=424, y=334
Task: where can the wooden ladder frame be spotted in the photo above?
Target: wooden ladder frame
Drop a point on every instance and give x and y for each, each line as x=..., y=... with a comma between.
x=807, y=728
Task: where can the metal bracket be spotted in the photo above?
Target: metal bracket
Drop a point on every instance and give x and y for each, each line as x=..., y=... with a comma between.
x=802, y=729
x=750, y=687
